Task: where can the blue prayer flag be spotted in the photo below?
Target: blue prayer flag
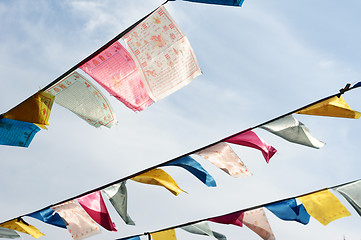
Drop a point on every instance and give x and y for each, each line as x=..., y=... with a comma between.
x=49, y=216
x=220, y=2
x=289, y=211
x=195, y=168
x=357, y=85
x=132, y=238
x=16, y=133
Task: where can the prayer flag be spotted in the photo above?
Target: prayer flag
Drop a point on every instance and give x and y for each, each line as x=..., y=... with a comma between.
x=232, y=218
x=81, y=97
x=21, y=226
x=118, y=196
x=292, y=130
x=94, y=205
x=226, y=159
x=163, y=54
x=289, y=211
x=8, y=233
x=202, y=228
x=36, y=109
x=160, y=178
x=17, y=133
x=324, y=206
x=132, y=238
x=164, y=235
x=352, y=193
x=195, y=168
x=332, y=107
x=80, y=225
x=357, y=85
x=220, y=2
x=49, y=216
x=250, y=139
x=115, y=70
x=256, y=220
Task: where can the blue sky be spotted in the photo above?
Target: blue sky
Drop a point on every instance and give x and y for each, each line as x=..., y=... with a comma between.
x=258, y=62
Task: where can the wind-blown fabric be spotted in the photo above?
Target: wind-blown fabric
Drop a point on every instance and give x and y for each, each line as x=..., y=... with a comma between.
x=163, y=54
x=222, y=155
x=36, y=109
x=160, y=178
x=332, y=107
x=324, y=206
x=232, y=218
x=80, y=225
x=49, y=216
x=117, y=195
x=256, y=220
x=115, y=70
x=94, y=205
x=352, y=193
x=8, y=233
x=290, y=129
x=17, y=133
x=219, y=2
x=202, y=228
x=289, y=210
x=195, y=168
x=21, y=226
x=132, y=238
x=164, y=235
x=250, y=139
x=81, y=97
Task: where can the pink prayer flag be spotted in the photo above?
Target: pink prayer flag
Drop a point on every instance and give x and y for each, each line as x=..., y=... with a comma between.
x=115, y=70
x=94, y=205
x=250, y=139
x=256, y=220
x=232, y=218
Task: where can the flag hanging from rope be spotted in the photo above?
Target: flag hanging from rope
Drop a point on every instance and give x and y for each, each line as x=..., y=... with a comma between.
x=289, y=210
x=49, y=216
x=21, y=226
x=352, y=193
x=17, y=133
x=164, y=235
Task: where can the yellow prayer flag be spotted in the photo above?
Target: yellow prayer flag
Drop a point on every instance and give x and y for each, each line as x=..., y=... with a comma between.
x=164, y=235
x=36, y=109
x=160, y=178
x=324, y=206
x=332, y=107
x=22, y=227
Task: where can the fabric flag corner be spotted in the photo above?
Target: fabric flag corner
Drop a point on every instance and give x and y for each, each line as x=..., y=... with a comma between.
x=164, y=235
x=202, y=228
x=232, y=218
x=159, y=177
x=288, y=210
x=332, y=107
x=250, y=139
x=195, y=168
x=223, y=156
x=21, y=226
x=94, y=205
x=257, y=221
x=324, y=206
x=352, y=193
x=292, y=130
x=49, y=216
x=17, y=133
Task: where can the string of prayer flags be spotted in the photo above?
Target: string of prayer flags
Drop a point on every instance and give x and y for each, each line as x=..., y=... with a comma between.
x=222, y=156
x=332, y=107
x=94, y=205
x=290, y=129
x=118, y=197
x=195, y=168
x=250, y=139
x=80, y=225
x=289, y=210
x=232, y=218
x=21, y=226
x=115, y=70
x=17, y=133
x=352, y=193
x=49, y=216
x=257, y=221
x=8, y=233
x=81, y=97
x=219, y=2
x=163, y=54
x=164, y=235
x=160, y=178
x=36, y=109
x=202, y=228
x=324, y=206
